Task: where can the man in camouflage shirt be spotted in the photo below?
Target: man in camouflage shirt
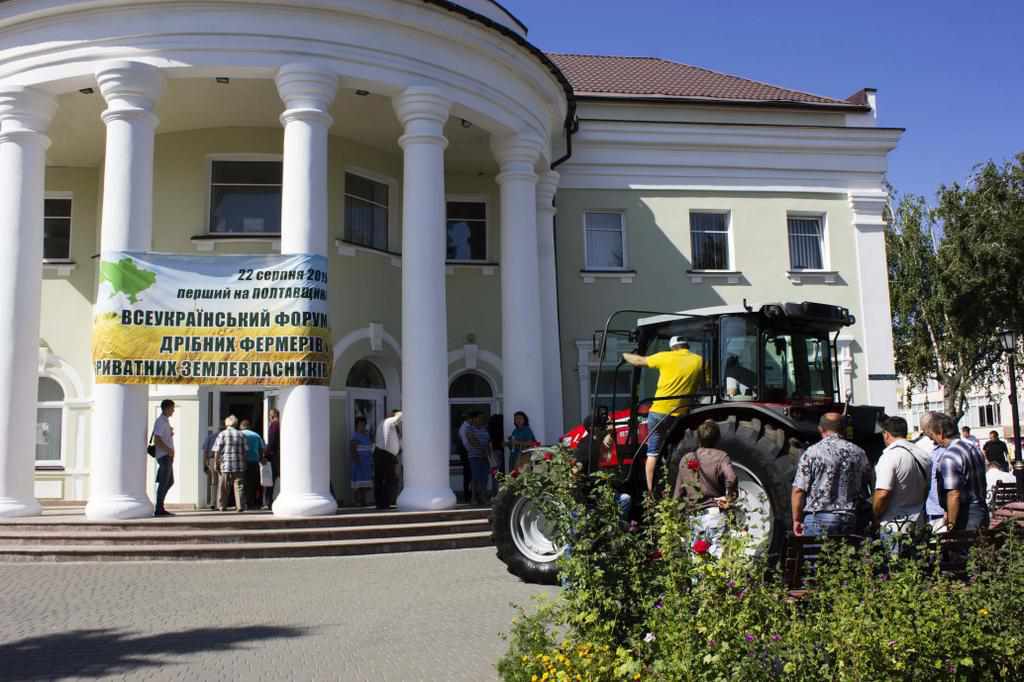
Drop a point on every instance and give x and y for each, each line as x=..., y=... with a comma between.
x=832, y=478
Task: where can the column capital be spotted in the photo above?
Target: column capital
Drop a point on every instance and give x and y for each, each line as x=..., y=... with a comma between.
x=422, y=103
x=25, y=111
x=129, y=88
x=517, y=154
x=547, y=186
x=422, y=111
x=307, y=90
x=869, y=210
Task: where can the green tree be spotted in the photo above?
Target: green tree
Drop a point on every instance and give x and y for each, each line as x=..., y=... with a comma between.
x=953, y=281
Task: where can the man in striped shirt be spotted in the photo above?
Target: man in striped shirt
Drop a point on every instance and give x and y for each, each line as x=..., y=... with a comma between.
x=960, y=477
x=229, y=450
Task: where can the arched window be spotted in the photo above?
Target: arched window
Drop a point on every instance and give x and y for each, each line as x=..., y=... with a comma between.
x=49, y=421
x=365, y=374
x=470, y=385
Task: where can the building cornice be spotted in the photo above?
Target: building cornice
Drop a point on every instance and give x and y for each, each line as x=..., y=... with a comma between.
x=729, y=157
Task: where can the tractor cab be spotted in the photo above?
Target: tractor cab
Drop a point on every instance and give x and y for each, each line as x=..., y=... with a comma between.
x=778, y=360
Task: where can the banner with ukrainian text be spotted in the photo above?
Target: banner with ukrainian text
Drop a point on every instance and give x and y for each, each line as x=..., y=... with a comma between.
x=183, y=319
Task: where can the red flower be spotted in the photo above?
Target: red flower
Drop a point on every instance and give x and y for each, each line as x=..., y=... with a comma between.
x=701, y=547
x=494, y=470
x=515, y=473
x=654, y=556
x=692, y=464
x=548, y=456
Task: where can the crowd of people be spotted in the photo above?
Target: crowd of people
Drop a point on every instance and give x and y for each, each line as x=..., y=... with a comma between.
x=243, y=468
x=941, y=479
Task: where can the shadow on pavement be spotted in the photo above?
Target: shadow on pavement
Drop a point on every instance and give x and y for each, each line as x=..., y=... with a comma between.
x=102, y=652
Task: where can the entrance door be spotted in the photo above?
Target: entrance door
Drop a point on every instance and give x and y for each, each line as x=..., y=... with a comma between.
x=244, y=405
x=470, y=392
x=368, y=404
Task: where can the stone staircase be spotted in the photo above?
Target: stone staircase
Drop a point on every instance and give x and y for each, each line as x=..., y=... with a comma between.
x=64, y=535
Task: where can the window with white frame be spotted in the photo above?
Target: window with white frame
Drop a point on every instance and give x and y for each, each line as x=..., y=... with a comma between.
x=467, y=231
x=709, y=240
x=366, y=212
x=604, y=240
x=57, y=229
x=806, y=243
x=989, y=415
x=245, y=197
x=49, y=421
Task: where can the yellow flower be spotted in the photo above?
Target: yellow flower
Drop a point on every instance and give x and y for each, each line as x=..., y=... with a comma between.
x=533, y=678
x=983, y=613
x=546, y=659
x=637, y=676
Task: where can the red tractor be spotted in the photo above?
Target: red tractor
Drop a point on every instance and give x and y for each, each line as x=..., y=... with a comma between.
x=769, y=375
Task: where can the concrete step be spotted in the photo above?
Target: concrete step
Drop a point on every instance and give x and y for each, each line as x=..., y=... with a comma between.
x=205, y=520
x=244, y=550
x=225, y=533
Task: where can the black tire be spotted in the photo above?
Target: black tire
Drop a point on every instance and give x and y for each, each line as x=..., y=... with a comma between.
x=766, y=451
x=518, y=564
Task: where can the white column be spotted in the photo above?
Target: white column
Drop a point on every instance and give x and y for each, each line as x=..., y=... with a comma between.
x=521, y=327
x=307, y=92
x=120, y=425
x=875, y=314
x=423, y=112
x=25, y=114
x=551, y=341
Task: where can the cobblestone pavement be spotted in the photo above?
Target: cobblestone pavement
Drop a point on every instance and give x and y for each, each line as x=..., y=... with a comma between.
x=417, y=616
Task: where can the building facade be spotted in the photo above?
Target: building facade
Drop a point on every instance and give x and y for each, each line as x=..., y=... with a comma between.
x=484, y=206
x=988, y=409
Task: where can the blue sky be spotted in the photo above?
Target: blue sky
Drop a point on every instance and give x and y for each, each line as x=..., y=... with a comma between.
x=951, y=73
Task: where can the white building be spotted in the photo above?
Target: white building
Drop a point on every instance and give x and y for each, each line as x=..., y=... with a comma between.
x=987, y=410
x=360, y=130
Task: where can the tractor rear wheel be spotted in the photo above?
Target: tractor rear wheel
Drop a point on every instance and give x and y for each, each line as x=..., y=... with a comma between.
x=764, y=461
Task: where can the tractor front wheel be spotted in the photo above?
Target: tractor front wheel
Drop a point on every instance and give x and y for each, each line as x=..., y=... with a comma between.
x=522, y=537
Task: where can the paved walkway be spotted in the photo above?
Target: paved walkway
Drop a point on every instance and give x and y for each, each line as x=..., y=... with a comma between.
x=403, y=617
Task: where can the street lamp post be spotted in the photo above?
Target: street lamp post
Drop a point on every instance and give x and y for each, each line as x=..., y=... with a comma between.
x=1009, y=341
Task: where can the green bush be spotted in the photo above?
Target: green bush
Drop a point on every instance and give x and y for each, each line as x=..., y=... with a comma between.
x=646, y=604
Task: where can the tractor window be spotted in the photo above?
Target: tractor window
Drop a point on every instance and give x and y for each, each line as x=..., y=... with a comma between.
x=796, y=366
x=700, y=339
x=739, y=358
x=611, y=388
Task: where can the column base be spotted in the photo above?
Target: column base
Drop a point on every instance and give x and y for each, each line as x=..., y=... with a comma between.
x=304, y=504
x=426, y=499
x=10, y=506
x=118, y=507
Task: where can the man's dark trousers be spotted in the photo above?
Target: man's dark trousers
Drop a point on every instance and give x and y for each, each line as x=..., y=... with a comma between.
x=164, y=480
x=252, y=484
x=384, y=478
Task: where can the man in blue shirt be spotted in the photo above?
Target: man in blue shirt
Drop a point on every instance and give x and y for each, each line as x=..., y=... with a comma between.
x=960, y=478
x=254, y=452
x=936, y=514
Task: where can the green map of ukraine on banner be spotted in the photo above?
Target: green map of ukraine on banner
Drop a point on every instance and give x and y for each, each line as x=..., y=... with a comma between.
x=243, y=320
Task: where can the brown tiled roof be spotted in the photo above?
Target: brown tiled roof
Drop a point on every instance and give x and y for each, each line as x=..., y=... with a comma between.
x=650, y=77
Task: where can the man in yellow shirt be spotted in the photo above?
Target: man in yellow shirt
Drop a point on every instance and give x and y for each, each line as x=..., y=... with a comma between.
x=679, y=375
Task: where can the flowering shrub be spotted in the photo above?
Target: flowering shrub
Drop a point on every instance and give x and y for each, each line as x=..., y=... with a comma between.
x=653, y=603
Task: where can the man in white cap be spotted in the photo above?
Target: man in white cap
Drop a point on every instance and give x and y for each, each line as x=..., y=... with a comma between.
x=679, y=375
